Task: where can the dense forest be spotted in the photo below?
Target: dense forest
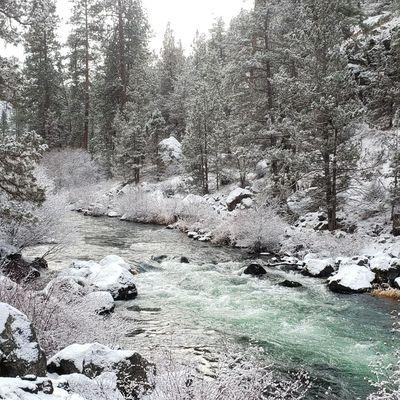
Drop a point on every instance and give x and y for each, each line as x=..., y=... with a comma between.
x=287, y=82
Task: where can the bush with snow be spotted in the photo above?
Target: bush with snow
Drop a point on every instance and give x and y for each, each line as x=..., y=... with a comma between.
x=71, y=168
x=236, y=378
x=61, y=317
x=259, y=229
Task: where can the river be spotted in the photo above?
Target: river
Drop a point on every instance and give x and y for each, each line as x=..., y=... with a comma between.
x=196, y=307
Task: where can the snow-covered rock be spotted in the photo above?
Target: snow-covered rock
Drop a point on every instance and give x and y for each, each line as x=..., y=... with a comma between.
x=62, y=286
x=262, y=169
x=351, y=279
x=111, y=275
x=20, y=353
x=170, y=152
x=236, y=196
x=96, y=210
x=313, y=220
x=93, y=359
x=68, y=387
x=384, y=262
x=319, y=268
x=100, y=302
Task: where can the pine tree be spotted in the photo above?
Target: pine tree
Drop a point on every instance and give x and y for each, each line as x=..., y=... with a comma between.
x=124, y=78
x=205, y=140
x=171, y=67
x=155, y=129
x=42, y=95
x=330, y=102
x=82, y=44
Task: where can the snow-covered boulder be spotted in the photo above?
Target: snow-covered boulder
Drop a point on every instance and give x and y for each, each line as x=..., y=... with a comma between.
x=262, y=169
x=100, y=302
x=111, y=275
x=386, y=268
x=384, y=262
x=20, y=353
x=236, y=196
x=32, y=389
x=170, y=152
x=63, y=286
x=93, y=359
x=15, y=267
x=67, y=387
x=351, y=279
x=313, y=220
x=96, y=210
x=319, y=268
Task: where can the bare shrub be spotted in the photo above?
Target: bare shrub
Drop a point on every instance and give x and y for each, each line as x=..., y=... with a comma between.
x=47, y=224
x=71, y=168
x=326, y=244
x=259, y=228
x=236, y=378
x=148, y=207
x=61, y=318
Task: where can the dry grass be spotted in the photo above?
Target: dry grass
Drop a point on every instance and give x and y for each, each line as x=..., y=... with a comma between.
x=392, y=294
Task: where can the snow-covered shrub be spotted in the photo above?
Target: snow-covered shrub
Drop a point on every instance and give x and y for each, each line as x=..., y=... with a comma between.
x=236, y=378
x=48, y=224
x=258, y=229
x=324, y=243
x=195, y=213
x=148, y=207
x=71, y=168
x=61, y=318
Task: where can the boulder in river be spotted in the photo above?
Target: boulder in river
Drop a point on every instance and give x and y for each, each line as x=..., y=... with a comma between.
x=351, y=279
x=319, y=268
x=290, y=284
x=20, y=353
x=101, y=303
x=255, y=270
x=109, y=275
x=93, y=359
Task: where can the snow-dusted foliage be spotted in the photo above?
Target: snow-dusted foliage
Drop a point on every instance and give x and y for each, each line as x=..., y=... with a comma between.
x=61, y=315
x=70, y=169
x=258, y=229
x=149, y=207
x=236, y=378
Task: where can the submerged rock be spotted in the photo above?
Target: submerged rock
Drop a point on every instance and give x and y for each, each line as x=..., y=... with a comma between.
x=20, y=353
x=255, y=269
x=351, y=279
x=290, y=284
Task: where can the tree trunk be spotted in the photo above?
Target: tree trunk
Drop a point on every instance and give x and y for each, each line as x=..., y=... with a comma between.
x=85, y=140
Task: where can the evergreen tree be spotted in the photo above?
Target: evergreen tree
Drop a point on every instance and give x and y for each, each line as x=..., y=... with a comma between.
x=124, y=78
x=82, y=44
x=42, y=94
x=330, y=102
x=171, y=67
